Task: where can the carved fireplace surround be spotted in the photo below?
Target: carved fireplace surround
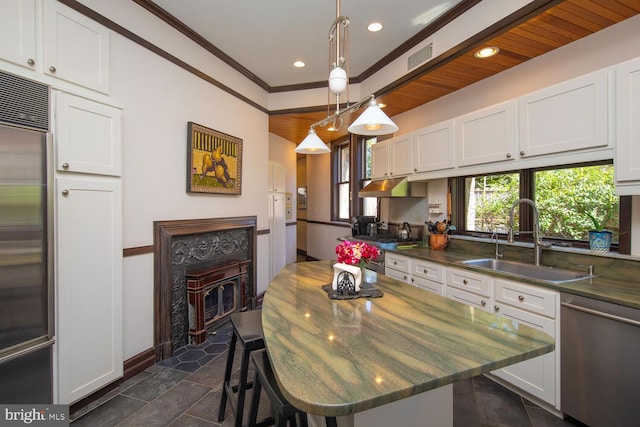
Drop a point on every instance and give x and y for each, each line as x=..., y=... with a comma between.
x=184, y=246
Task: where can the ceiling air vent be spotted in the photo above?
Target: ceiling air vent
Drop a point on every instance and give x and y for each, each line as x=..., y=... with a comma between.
x=420, y=56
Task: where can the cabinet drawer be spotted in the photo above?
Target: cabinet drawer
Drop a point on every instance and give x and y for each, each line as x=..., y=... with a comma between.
x=428, y=285
x=525, y=297
x=427, y=270
x=397, y=262
x=469, y=281
x=396, y=274
x=469, y=298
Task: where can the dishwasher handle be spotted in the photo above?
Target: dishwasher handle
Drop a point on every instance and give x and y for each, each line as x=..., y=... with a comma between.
x=600, y=313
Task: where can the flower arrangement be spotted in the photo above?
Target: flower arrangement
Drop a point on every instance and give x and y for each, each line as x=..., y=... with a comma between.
x=356, y=253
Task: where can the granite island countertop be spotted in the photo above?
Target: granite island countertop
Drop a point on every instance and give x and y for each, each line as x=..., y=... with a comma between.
x=339, y=357
x=623, y=292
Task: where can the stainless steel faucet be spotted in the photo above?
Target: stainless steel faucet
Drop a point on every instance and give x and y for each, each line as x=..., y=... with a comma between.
x=538, y=244
x=494, y=235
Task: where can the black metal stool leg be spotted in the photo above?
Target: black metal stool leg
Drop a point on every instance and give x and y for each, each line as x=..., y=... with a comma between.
x=255, y=400
x=242, y=387
x=331, y=422
x=227, y=376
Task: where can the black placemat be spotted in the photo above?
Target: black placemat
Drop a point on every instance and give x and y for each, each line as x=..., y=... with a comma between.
x=364, y=293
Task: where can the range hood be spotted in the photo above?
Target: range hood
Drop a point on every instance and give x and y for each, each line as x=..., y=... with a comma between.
x=394, y=187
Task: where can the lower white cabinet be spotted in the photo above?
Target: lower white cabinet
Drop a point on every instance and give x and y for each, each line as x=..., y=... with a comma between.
x=537, y=308
x=474, y=300
x=397, y=266
x=428, y=275
x=89, y=334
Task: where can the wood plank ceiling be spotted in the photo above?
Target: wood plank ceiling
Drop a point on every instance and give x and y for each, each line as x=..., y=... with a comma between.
x=528, y=37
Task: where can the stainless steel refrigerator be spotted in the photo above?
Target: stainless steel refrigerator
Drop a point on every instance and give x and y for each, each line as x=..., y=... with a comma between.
x=26, y=296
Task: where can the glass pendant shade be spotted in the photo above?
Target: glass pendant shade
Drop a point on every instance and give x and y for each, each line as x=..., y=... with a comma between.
x=373, y=122
x=312, y=144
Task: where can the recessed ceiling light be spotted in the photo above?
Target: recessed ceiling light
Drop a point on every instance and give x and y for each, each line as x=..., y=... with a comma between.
x=299, y=64
x=374, y=27
x=486, y=52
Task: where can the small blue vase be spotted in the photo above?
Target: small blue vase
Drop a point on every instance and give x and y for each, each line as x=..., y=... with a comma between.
x=600, y=241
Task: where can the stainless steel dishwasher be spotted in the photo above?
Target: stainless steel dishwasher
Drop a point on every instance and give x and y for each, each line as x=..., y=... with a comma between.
x=600, y=367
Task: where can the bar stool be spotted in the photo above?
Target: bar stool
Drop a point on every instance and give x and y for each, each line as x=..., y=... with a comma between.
x=283, y=410
x=247, y=327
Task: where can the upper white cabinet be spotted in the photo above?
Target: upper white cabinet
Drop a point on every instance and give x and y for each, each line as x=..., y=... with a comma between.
x=392, y=158
x=627, y=157
x=277, y=177
x=433, y=147
x=568, y=116
x=487, y=135
x=76, y=49
x=18, y=32
x=87, y=136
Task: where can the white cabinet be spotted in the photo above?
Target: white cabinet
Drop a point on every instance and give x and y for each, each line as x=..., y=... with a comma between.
x=18, y=32
x=76, y=49
x=397, y=266
x=277, y=233
x=434, y=147
x=88, y=136
x=392, y=158
x=469, y=288
x=627, y=156
x=568, y=116
x=277, y=177
x=487, y=135
x=538, y=308
x=428, y=275
x=89, y=326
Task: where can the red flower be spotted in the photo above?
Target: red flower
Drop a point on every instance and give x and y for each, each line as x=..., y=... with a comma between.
x=356, y=253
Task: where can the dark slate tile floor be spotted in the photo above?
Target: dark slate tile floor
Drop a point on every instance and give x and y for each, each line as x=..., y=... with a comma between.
x=185, y=391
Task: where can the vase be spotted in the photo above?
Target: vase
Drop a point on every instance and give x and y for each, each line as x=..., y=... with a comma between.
x=346, y=278
x=600, y=241
x=369, y=276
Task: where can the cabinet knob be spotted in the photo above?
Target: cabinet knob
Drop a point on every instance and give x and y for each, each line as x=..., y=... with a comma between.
x=395, y=263
x=413, y=280
x=483, y=303
x=496, y=308
x=65, y=192
x=464, y=281
x=405, y=277
x=65, y=165
x=424, y=270
x=520, y=298
x=31, y=62
x=508, y=155
x=522, y=153
x=52, y=69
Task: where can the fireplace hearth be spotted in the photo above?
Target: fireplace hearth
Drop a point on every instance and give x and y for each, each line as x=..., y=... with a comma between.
x=187, y=249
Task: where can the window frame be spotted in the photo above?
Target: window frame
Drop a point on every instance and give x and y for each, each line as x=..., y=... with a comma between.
x=526, y=190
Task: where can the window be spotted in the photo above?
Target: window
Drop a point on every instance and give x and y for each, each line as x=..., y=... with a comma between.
x=351, y=163
x=565, y=196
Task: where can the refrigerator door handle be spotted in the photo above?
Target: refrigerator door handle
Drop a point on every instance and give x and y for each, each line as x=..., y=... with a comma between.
x=23, y=351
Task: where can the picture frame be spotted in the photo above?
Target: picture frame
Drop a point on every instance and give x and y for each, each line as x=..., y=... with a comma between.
x=214, y=161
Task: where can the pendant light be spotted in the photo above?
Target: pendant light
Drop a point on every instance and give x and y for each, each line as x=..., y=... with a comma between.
x=372, y=122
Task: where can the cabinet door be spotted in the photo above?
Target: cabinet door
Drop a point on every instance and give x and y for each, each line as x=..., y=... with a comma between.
x=397, y=274
x=380, y=160
x=470, y=282
x=400, y=155
x=433, y=147
x=87, y=136
x=487, y=135
x=277, y=233
x=468, y=298
x=89, y=322
x=530, y=298
x=18, y=32
x=564, y=117
x=76, y=48
x=628, y=121
x=277, y=177
x=427, y=270
x=429, y=285
x=398, y=262
x=538, y=375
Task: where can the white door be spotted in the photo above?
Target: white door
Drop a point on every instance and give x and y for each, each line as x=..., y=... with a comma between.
x=400, y=153
x=89, y=335
x=278, y=232
x=627, y=162
x=380, y=160
x=18, y=32
x=433, y=147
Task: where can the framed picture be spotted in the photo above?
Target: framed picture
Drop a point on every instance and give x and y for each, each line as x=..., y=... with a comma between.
x=214, y=161
x=302, y=197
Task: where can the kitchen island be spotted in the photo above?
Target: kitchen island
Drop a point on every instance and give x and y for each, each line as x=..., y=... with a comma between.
x=379, y=360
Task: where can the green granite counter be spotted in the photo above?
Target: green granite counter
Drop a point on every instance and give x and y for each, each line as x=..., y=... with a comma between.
x=339, y=357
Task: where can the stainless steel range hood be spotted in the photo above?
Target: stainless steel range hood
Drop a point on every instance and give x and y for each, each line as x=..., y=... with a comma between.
x=394, y=187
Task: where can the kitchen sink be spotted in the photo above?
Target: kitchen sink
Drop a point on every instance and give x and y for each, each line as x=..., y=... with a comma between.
x=548, y=274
